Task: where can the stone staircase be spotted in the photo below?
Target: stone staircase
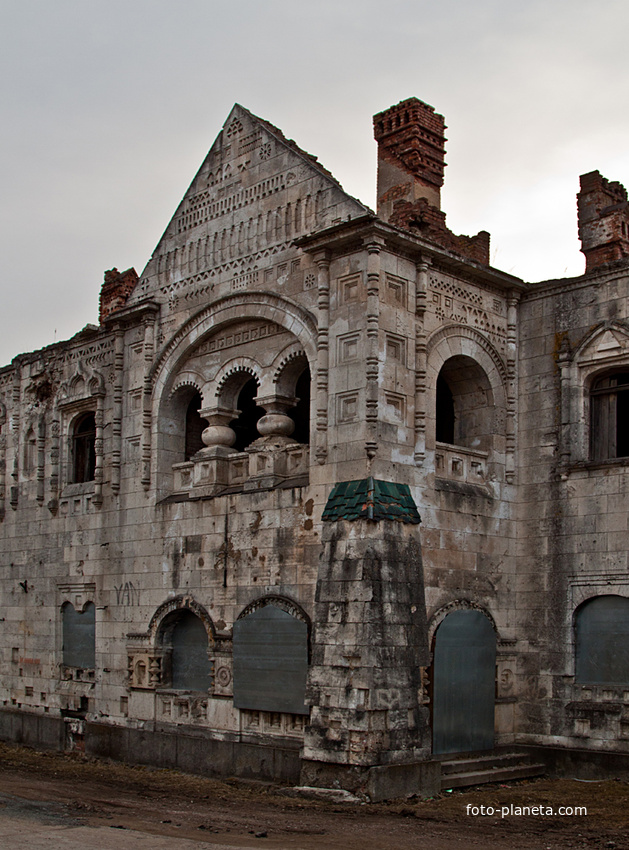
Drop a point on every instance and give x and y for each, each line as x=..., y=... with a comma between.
x=465, y=770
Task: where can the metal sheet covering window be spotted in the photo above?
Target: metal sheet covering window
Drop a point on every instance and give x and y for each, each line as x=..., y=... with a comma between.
x=602, y=641
x=270, y=661
x=79, y=636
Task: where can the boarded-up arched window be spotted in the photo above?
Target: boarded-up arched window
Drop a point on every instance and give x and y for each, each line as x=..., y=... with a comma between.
x=191, y=668
x=602, y=641
x=79, y=636
x=270, y=661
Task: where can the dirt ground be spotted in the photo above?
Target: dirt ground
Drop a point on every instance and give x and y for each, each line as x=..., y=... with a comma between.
x=237, y=814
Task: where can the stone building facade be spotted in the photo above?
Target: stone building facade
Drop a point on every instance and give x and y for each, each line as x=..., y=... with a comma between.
x=323, y=494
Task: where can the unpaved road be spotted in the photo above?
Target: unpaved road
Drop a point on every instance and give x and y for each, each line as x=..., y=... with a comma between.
x=62, y=802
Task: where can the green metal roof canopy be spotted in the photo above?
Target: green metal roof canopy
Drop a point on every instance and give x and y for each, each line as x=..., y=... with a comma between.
x=371, y=499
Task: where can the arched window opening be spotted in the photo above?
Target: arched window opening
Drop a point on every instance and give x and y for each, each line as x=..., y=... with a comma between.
x=79, y=636
x=602, y=641
x=84, y=449
x=445, y=412
x=609, y=403
x=245, y=426
x=464, y=404
x=270, y=661
x=185, y=638
x=300, y=414
x=195, y=426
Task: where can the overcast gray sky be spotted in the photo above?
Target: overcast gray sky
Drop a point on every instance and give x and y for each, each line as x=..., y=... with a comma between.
x=108, y=108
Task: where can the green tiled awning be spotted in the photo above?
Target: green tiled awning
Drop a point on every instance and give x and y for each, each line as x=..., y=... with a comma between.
x=371, y=499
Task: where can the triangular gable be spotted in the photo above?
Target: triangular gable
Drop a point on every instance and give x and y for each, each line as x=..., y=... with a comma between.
x=256, y=191
x=604, y=344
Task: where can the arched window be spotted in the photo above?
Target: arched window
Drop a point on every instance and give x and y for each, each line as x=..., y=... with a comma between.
x=270, y=661
x=194, y=426
x=464, y=404
x=609, y=404
x=84, y=449
x=245, y=426
x=184, y=636
x=602, y=641
x=79, y=636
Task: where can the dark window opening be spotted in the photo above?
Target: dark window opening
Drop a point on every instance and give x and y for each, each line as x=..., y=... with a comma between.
x=300, y=414
x=245, y=426
x=464, y=409
x=444, y=412
x=84, y=449
x=195, y=426
x=609, y=432
x=602, y=641
x=79, y=636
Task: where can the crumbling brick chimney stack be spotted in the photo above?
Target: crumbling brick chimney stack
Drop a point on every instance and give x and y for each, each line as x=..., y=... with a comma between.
x=115, y=291
x=411, y=151
x=603, y=213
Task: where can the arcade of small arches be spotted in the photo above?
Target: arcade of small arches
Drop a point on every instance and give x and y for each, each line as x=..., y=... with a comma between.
x=226, y=417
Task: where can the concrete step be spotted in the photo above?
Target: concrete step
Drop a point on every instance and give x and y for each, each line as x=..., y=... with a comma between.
x=497, y=767
x=491, y=760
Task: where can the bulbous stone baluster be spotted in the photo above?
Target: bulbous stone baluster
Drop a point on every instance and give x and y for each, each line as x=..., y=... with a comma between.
x=218, y=437
x=276, y=426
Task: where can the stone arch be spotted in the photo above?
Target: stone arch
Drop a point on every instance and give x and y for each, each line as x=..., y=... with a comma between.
x=282, y=602
x=231, y=378
x=188, y=379
x=281, y=315
x=229, y=310
x=457, y=605
x=469, y=362
x=460, y=339
x=287, y=366
x=179, y=603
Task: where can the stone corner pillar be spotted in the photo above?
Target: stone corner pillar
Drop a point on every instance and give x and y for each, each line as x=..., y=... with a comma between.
x=369, y=730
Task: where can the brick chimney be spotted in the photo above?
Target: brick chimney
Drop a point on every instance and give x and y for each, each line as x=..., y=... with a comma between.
x=411, y=150
x=603, y=213
x=115, y=291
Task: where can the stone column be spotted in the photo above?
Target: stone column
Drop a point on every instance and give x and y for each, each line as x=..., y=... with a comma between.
x=267, y=455
x=320, y=440
x=218, y=438
x=211, y=463
x=421, y=290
